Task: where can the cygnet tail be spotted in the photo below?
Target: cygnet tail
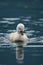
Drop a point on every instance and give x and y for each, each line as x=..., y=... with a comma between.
x=19, y=53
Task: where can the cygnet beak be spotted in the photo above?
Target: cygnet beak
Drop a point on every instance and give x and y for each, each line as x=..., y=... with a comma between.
x=22, y=32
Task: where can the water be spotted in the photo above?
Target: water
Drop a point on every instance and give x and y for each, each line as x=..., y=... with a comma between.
x=30, y=13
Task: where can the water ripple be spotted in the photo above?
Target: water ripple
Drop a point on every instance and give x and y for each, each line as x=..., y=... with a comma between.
x=33, y=29
x=11, y=19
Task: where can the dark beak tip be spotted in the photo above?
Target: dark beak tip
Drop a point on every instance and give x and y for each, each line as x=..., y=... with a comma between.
x=21, y=32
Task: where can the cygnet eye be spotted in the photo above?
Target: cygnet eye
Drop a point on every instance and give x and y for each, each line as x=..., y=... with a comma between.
x=19, y=28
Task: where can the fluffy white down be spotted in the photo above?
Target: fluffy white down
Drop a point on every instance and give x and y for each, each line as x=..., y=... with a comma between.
x=16, y=36
x=20, y=26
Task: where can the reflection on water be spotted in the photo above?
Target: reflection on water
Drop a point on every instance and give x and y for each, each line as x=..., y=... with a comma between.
x=33, y=52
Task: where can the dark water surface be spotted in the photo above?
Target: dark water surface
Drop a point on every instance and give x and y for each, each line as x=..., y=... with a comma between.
x=30, y=13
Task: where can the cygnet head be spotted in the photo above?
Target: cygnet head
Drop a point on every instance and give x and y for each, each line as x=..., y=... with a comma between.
x=20, y=28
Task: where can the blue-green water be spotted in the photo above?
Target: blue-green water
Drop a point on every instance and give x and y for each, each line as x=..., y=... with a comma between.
x=30, y=13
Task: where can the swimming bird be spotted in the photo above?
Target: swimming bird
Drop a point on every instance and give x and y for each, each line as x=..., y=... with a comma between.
x=19, y=35
x=20, y=39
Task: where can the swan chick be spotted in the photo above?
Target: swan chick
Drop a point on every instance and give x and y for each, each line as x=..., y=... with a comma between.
x=19, y=35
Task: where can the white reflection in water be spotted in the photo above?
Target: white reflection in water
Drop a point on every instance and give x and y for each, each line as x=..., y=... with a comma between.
x=11, y=19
